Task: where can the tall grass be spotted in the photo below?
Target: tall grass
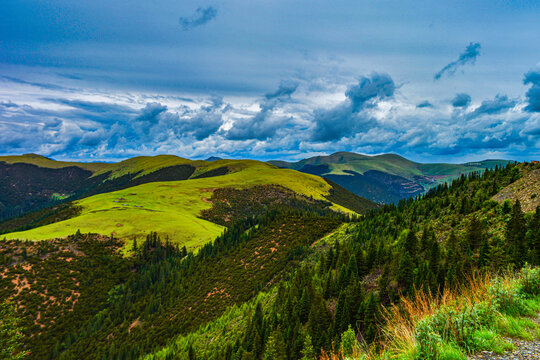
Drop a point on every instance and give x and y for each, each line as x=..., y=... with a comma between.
x=456, y=321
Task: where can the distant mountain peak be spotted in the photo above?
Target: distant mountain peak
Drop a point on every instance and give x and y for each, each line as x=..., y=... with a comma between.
x=213, y=158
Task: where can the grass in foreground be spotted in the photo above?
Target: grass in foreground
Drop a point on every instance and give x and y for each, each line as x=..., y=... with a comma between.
x=473, y=318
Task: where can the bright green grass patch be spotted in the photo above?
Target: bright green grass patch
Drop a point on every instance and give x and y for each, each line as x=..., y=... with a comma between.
x=491, y=341
x=449, y=351
x=515, y=327
x=171, y=208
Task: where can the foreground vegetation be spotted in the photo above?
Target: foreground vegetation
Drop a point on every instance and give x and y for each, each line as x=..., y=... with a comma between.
x=476, y=317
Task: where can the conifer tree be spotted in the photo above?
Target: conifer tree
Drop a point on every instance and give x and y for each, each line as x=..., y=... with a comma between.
x=307, y=351
x=275, y=347
x=475, y=234
x=320, y=321
x=515, y=234
x=411, y=243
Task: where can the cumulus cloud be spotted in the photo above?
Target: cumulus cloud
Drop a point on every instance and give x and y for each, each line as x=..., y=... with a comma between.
x=265, y=122
x=348, y=117
x=372, y=118
x=499, y=104
x=201, y=16
x=533, y=94
x=461, y=100
x=468, y=56
x=205, y=121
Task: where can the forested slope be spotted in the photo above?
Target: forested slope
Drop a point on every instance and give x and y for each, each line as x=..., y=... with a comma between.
x=297, y=276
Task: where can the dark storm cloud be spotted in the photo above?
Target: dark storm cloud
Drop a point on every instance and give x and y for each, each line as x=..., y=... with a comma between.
x=264, y=123
x=472, y=51
x=533, y=94
x=499, y=104
x=201, y=16
x=347, y=117
x=424, y=104
x=461, y=100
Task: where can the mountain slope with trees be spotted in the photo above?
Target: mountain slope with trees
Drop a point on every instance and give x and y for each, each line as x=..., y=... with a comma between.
x=294, y=281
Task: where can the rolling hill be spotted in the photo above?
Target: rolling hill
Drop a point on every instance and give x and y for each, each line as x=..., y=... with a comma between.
x=167, y=194
x=384, y=178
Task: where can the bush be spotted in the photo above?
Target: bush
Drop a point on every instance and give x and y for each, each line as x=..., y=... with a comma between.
x=508, y=299
x=452, y=325
x=529, y=284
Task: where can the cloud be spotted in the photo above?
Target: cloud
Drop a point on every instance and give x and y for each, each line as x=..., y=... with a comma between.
x=205, y=121
x=424, y=104
x=472, y=51
x=265, y=122
x=499, y=104
x=201, y=16
x=286, y=89
x=533, y=94
x=347, y=117
x=40, y=85
x=461, y=100
x=375, y=86
x=370, y=117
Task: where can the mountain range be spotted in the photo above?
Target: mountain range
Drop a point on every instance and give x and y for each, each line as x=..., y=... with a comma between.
x=385, y=178
x=169, y=258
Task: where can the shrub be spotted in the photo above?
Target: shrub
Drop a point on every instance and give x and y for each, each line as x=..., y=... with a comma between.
x=529, y=283
x=455, y=325
x=507, y=298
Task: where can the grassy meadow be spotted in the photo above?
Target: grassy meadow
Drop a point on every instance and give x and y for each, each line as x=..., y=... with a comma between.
x=172, y=208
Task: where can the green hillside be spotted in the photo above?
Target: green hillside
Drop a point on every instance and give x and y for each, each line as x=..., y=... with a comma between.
x=29, y=183
x=295, y=279
x=45, y=162
x=173, y=208
x=385, y=178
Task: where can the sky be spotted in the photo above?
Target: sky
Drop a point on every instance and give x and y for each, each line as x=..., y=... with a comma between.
x=434, y=81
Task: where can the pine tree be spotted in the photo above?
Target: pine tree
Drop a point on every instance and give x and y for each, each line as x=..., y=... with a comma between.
x=483, y=257
x=515, y=234
x=320, y=321
x=475, y=234
x=307, y=351
x=275, y=347
x=348, y=342
x=533, y=238
x=405, y=272
x=411, y=243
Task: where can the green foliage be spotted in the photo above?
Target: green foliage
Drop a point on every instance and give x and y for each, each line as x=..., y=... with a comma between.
x=508, y=298
x=489, y=340
x=452, y=324
x=348, y=342
x=308, y=353
x=530, y=281
x=11, y=338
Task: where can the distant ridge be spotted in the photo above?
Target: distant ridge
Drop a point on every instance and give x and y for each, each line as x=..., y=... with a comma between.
x=384, y=178
x=213, y=158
